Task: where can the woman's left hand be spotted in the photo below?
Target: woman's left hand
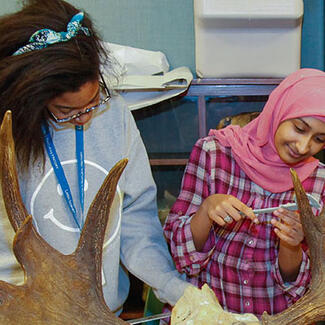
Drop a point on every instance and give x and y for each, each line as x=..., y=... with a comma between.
x=288, y=226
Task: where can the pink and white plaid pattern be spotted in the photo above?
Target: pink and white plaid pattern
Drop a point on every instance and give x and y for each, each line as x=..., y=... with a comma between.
x=240, y=260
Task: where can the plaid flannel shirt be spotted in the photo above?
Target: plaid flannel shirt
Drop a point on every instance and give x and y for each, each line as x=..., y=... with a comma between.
x=240, y=260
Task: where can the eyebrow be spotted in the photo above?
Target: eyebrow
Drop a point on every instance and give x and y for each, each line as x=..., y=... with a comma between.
x=72, y=107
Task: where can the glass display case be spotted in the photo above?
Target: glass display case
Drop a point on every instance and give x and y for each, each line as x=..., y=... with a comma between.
x=171, y=128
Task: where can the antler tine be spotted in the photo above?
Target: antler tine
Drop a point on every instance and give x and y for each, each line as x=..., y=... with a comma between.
x=311, y=307
x=92, y=237
x=312, y=226
x=8, y=172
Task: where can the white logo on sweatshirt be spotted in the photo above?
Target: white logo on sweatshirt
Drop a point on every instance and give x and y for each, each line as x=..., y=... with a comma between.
x=55, y=224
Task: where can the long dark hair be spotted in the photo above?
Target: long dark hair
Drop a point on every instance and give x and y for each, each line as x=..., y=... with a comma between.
x=29, y=81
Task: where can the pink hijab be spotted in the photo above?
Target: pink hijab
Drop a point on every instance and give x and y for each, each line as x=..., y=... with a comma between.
x=302, y=93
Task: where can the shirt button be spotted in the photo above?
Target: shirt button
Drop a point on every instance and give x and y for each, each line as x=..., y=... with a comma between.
x=251, y=242
x=245, y=281
x=247, y=303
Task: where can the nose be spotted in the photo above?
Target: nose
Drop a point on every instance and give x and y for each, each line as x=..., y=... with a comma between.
x=303, y=145
x=83, y=119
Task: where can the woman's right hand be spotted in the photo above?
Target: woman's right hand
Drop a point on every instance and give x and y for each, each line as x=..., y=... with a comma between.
x=221, y=209
x=224, y=208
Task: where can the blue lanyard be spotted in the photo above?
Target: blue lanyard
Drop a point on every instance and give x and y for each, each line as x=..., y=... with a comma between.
x=59, y=172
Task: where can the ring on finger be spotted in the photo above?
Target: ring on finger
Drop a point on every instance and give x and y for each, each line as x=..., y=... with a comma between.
x=228, y=219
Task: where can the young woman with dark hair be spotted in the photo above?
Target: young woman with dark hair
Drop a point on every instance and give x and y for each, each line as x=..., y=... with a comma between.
x=70, y=130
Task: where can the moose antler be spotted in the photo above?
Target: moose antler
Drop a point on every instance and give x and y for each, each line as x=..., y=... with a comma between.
x=58, y=289
x=311, y=307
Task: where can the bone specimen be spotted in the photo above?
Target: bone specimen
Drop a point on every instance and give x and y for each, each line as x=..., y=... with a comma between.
x=58, y=289
x=201, y=307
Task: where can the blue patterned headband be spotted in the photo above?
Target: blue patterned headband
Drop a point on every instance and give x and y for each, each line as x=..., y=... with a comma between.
x=45, y=37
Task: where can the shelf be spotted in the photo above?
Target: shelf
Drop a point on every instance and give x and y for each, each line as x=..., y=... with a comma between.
x=168, y=162
x=168, y=158
x=232, y=87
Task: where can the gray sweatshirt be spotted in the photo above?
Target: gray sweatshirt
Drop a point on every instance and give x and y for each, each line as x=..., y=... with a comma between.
x=135, y=241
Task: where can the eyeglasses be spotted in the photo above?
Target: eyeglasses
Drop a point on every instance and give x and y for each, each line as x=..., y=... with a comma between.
x=90, y=109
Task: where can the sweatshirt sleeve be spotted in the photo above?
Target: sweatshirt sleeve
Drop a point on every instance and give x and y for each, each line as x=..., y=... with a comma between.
x=144, y=250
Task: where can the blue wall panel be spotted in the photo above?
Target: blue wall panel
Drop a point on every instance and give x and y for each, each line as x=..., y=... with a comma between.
x=312, y=46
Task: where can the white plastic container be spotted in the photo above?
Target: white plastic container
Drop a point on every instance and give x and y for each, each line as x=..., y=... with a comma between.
x=247, y=38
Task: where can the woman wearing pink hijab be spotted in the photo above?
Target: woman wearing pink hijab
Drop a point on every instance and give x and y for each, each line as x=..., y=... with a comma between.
x=254, y=263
